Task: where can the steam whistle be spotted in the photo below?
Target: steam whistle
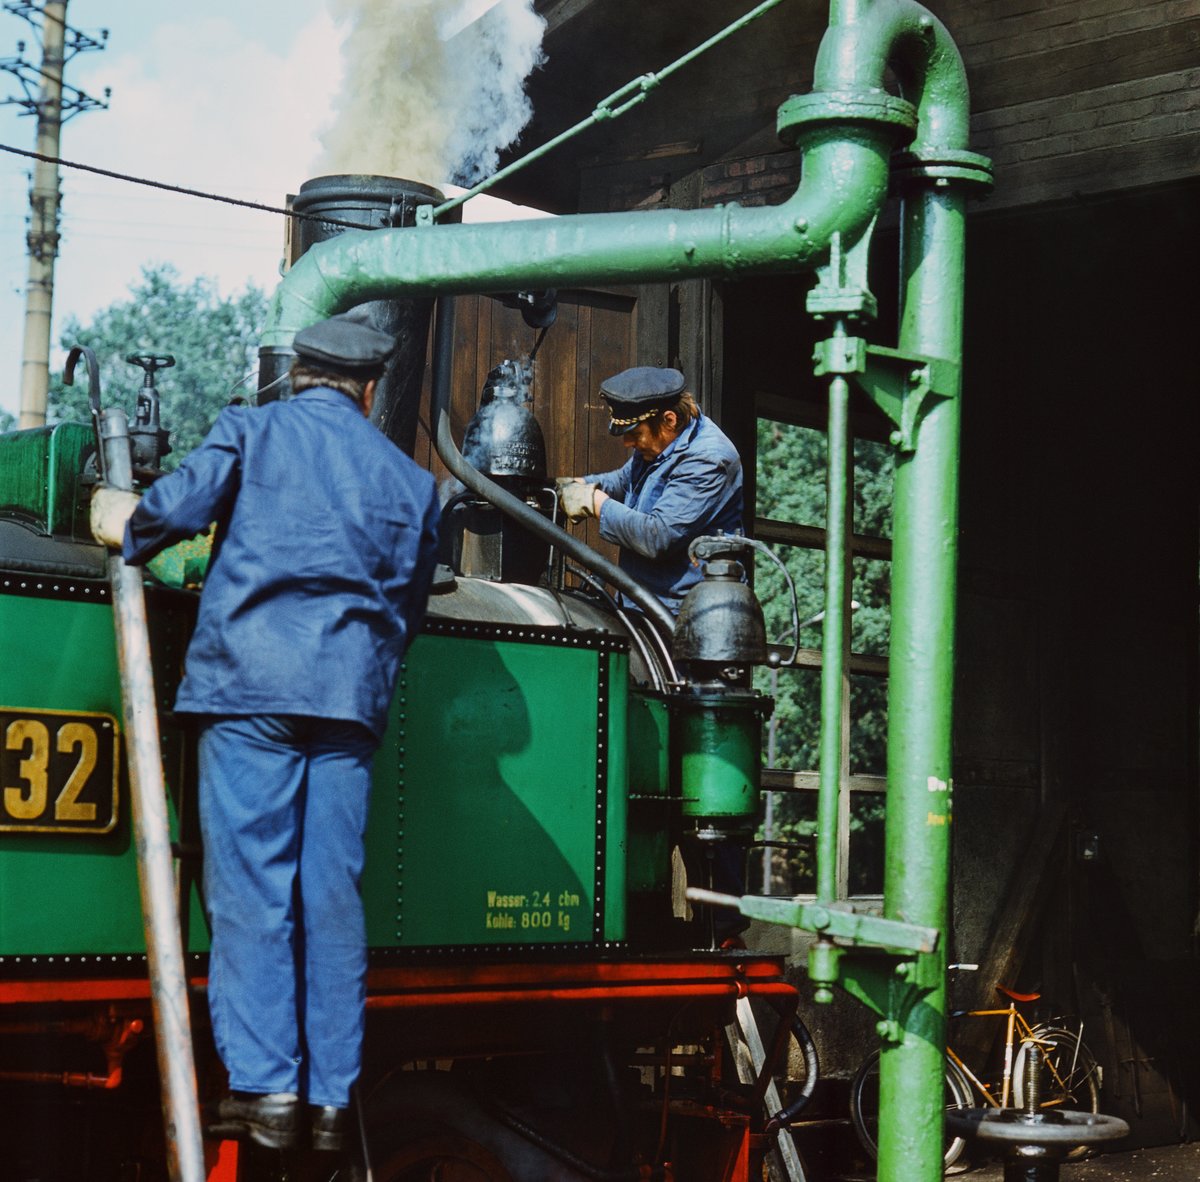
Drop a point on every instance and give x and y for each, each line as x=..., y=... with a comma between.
x=149, y=440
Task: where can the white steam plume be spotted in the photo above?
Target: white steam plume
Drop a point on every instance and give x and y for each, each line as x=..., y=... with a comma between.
x=432, y=90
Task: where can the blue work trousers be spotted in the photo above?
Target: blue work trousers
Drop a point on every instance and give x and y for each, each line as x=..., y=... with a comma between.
x=283, y=811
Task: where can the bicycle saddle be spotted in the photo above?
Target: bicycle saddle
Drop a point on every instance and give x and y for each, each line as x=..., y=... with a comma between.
x=1017, y=996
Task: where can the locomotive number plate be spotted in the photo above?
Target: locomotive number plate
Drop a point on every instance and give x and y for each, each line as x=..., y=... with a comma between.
x=58, y=772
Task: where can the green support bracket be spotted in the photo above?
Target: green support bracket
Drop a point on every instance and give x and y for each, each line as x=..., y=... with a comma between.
x=841, y=288
x=905, y=386
x=889, y=983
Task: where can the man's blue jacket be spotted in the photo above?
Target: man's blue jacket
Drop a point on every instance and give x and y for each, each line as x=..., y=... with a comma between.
x=656, y=508
x=324, y=550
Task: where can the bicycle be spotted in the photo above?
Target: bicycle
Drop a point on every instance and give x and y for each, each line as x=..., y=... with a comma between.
x=1068, y=1074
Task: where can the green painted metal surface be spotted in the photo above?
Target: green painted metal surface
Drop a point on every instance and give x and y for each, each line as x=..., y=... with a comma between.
x=40, y=477
x=649, y=792
x=719, y=743
x=66, y=893
x=617, y=753
x=492, y=816
x=921, y=665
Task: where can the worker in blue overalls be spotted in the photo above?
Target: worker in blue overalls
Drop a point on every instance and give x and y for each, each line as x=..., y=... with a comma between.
x=683, y=479
x=323, y=554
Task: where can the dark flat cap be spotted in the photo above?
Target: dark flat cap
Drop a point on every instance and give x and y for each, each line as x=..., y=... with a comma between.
x=345, y=344
x=635, y=395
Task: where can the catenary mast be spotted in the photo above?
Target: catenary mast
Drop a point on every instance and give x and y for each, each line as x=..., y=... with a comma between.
x=46, y=96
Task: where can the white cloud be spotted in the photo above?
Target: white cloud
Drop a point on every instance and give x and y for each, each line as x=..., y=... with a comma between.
x=198, y=106
x=198, y=101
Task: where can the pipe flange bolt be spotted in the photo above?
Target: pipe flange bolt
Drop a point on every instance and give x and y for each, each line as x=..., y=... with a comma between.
x=942, y=164
x=803, y=113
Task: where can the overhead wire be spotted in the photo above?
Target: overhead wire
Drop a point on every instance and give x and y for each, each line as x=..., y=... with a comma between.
x=137, y=180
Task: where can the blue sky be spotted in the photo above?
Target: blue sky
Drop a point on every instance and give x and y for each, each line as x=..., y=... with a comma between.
x=228, y=96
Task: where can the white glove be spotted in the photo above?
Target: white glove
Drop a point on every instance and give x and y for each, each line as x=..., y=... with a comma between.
x=578, y=500
x=111, y=508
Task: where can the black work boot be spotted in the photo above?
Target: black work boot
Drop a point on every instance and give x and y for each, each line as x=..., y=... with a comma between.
x=328, y=1127
x=272, y=1121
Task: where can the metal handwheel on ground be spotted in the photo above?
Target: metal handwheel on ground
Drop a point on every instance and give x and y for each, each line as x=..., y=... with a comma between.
x=1068, y=1074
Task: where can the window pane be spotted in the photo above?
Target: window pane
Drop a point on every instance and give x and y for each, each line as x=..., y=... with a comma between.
x=872, y=591
x=792, y=734
x=790, y=866
x=874, y=468
x=807, y=568
x=866, y=843
x=868, y=725
x=790, y=473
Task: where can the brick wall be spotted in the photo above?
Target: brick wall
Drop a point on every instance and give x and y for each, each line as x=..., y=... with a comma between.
x=1080, y=97
x=1070, y=98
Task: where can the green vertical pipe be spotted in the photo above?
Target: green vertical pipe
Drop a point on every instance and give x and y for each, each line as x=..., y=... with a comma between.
x=833, y=641
x=921, y=677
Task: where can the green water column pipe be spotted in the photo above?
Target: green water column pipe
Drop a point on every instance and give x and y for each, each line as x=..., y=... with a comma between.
x=934, y=177
x=846, y=146
x=921, y=675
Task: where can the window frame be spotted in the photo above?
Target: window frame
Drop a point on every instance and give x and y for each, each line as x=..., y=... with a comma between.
x=864, y=425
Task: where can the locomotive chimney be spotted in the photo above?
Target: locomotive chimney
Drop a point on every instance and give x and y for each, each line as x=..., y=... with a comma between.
x=372, y=202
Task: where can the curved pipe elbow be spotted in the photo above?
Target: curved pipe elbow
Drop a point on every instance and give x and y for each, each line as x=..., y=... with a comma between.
x=843, y=186
x=856, y=52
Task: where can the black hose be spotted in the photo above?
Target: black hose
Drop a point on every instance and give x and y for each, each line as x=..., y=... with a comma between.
x=531, y=519
x=812, y=1071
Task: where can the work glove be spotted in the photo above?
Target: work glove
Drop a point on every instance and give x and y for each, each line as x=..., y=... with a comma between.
x=578, y=500
x=561, y=482
x=111, y=508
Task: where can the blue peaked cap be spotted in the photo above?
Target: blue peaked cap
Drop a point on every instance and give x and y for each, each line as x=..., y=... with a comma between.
x=348, y=343
x=635, y=395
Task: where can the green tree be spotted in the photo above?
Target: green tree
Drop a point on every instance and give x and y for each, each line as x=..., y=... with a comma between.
x=791, y=473
x=213, y=339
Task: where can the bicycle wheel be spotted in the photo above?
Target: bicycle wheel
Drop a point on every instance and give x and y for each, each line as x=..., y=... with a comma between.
x=1068, y=1075
x=864, y=1106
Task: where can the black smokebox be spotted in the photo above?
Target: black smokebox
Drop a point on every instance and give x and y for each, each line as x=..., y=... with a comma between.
x=374, y=203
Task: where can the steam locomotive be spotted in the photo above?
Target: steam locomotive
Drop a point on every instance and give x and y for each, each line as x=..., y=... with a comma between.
x=543, y=1001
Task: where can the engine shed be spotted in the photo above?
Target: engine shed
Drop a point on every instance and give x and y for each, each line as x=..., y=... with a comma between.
x=1075, y=737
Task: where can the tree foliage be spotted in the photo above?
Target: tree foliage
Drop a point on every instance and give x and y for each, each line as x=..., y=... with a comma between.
x=213, y=339
x=791, y=484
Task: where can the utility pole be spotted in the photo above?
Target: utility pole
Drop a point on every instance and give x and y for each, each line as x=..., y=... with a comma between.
x=53, y=102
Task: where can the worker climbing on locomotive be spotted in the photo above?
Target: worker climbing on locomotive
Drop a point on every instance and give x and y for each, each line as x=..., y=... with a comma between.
x=324, y=552
x=683, y=480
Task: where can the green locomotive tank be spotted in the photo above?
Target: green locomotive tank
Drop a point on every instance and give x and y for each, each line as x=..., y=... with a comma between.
x=499, y=817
